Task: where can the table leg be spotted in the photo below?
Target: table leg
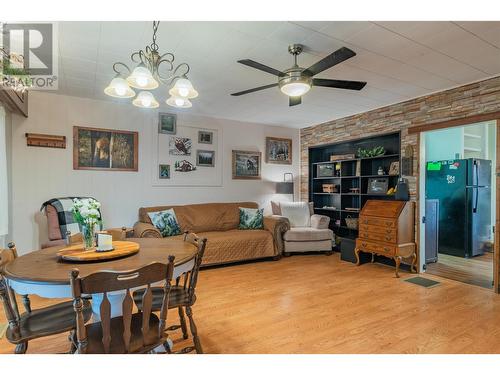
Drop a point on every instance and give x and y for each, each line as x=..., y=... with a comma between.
x=413, y=265
x=356, y=253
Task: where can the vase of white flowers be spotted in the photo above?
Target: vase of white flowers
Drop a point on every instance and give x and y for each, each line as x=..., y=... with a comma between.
x=87, y=215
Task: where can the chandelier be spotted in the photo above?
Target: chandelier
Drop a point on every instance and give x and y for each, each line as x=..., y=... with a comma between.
x=146, y=76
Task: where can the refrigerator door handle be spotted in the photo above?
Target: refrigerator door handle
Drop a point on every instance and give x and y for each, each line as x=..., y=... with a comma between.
x=476, y=198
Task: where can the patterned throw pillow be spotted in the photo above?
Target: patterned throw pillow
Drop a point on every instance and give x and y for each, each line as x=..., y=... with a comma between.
x=251, y=218
x=165, y=222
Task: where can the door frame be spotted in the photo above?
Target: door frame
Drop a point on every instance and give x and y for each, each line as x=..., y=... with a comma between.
x=494, y=116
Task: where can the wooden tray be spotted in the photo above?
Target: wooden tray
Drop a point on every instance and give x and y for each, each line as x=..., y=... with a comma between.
x=76, y=253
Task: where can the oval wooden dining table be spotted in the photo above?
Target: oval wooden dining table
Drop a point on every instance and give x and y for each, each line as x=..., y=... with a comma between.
x=43, y=273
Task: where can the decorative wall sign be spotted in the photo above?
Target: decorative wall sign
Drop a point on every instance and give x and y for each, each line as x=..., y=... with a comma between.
x=184, y=166
x=205, y=137
x=105, y=149
x=45, y=140
x=167, y=123
x=205, y=158
x=246, y=165
x=164, y=171
x=278, y=150
x=179, y=146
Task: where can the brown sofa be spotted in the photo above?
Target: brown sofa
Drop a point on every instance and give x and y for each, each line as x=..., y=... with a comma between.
x=218, y=222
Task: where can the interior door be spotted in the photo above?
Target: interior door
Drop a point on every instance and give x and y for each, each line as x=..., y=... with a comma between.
x=496, y=267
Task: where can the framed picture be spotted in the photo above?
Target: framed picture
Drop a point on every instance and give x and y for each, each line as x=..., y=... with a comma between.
x=205, y=137
x=205, y=158
x=167, y=123
x=164, y=171
x=179, y=146
x=105, y=149
x=246, y=165
x=278, y=150
x=394, y=168
x=378, y=185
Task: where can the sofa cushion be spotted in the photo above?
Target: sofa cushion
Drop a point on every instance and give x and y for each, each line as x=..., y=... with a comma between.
x=297, y=213
x=276, y=208
x=251, y=218
x=308, y=234
x=235, y=245
x=203, y=217
x=165, y=222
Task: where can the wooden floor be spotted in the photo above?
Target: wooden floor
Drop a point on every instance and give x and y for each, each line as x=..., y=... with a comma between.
x=318, y=304
x=476, y=271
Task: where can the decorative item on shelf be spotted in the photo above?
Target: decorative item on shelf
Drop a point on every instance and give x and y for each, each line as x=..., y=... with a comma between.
x=351, y=222
x=105, y=149
x=378, y=185
x=246, y=165
x=205, y=158
x=394, y=168
x=353, y=209
x=167, y=123
x=354, y=190
x=184, y=166
x=392, y=190
x=358, y=168
x=286, y=187
x=407, y=161
x=332, y=208
x=325, y=170
x=164, y=171
x=380, y=171
x=329, y=188
x=146, y=76
x=370, y=153
x=337, y=170
x=342, y=157
x=86, y=213
x=337, y=222
x=278, y=150
x=45, y=140
x=402, y=190
x=205, y=137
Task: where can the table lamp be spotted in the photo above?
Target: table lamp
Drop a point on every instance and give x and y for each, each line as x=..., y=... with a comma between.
x=286, y=187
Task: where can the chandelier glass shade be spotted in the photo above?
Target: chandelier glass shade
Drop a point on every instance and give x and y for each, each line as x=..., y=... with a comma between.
x=152, y=69
x=295, y=88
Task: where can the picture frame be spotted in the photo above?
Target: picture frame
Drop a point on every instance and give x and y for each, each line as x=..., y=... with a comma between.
x=167, y=123
x=394, y=168
x=205, y=158
x=205, y=137
x=105, y=149
x=180, y=146
x=246, y=165
x=378, y=185
x=278, y=150
x=164, y=171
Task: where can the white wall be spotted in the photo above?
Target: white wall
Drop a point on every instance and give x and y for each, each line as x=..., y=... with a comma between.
x=444, y=144
x=43, y=173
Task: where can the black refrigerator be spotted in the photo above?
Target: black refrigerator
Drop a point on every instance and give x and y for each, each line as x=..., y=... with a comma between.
x=463, y=188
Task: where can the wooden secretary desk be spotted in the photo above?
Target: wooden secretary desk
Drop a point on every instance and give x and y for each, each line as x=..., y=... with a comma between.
x=387, y=228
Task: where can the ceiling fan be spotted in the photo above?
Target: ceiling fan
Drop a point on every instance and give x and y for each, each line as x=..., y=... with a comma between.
x=297, y=81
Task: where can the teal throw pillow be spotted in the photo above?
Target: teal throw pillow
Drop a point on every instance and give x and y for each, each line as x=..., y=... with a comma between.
x=165, y=222
x=251, y=218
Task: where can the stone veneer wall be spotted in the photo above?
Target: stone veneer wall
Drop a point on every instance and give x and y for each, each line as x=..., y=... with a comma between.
x=473, y=99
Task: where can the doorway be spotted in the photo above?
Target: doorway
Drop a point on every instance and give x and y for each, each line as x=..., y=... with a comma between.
x=457, y=202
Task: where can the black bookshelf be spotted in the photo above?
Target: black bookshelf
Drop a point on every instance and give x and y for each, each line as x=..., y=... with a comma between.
x=350, y=173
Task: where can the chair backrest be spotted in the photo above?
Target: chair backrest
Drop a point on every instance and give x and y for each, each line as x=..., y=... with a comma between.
x=191, y=277
x=6, y=293
x=108, y=281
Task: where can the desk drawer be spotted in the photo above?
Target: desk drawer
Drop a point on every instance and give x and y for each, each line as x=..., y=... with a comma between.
x=382, y=249
x=377, y=229
x=380, y=236
x=386, y=223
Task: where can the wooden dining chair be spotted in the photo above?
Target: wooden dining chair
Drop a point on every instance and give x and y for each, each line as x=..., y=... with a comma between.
x=139, y=332
x=38, y=323
x=182, y=295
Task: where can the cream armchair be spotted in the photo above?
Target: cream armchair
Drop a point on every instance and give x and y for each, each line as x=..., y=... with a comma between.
x=307, y=233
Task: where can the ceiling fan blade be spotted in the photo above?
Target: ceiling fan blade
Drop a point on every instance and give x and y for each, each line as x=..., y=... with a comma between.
x=335, y=58
x=264, y=68
x=294, y=100
x=255, y=89
x=339, y=84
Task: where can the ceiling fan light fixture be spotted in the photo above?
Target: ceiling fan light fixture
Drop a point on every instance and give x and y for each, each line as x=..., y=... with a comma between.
x=141, y=78
x=145, y=100
x=119, y=88
x=183, y=88
x=179, y=102
x=295, y=88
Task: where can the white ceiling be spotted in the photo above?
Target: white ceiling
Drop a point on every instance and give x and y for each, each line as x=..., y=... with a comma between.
x=399, y=60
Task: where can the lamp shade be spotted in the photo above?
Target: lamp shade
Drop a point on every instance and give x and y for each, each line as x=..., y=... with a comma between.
x=183, y=88
x=176, y=101
x=295, y=88
x=145, y=100
x=285, y=187
x=141, y=78
x=119, y=88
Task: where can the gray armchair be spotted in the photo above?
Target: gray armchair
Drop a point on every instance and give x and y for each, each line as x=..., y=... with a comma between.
x=315, y=237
